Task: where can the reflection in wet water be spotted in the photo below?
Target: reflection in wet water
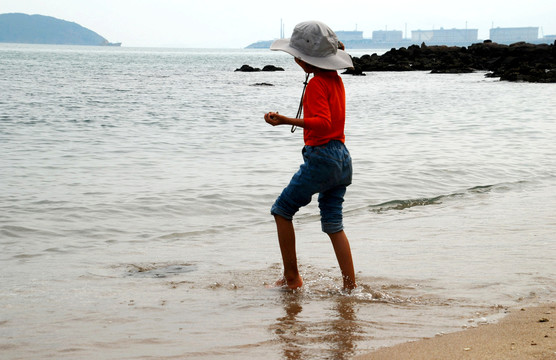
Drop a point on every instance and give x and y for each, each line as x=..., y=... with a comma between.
x=344, y=329
x=289, y=327
x=333, y=336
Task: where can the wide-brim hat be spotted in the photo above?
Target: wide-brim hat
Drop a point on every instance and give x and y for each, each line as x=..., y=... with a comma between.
x=316, y=44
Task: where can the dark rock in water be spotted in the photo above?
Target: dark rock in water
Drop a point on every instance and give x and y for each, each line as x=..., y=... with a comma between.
x=247, y=68
x=454, y=70
x=262, y=84
x=356, y=70
x=529, y=74
x=522, y=62
x=516, y=62
x=272, y=68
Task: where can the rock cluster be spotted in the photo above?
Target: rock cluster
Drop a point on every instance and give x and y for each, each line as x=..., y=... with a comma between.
x=248, y=68
x=516, y=62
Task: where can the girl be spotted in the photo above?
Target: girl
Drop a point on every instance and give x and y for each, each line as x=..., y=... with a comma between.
x=327, y=168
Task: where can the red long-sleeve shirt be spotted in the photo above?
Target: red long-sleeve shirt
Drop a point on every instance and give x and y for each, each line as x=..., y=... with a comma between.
x=324, y=109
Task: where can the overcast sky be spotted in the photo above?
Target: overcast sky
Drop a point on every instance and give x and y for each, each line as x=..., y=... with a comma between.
x=236, y=24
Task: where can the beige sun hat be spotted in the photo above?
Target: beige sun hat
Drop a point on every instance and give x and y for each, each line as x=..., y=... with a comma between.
x=316, y=44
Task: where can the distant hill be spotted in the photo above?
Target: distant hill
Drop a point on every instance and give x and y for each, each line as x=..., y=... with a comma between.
x=39, y=29
x=265, y=44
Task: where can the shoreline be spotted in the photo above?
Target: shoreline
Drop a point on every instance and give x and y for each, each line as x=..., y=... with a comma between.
x=524, y=333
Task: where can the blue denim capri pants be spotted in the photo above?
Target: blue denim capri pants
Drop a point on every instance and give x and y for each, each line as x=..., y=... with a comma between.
x=326, y=170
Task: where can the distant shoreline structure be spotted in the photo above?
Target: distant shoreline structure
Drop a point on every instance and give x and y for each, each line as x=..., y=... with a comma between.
x=111, y=44
x=386, y=39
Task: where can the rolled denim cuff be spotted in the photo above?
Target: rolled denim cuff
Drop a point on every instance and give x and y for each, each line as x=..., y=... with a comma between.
x=276, y=210
x=331, y=228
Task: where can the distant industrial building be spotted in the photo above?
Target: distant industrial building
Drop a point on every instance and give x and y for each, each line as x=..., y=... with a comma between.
x=385, y=36
x=550, y=39
x=386, y=39
x=349, y=35
x=513, y=35
x=419, y=36
x=445, y=36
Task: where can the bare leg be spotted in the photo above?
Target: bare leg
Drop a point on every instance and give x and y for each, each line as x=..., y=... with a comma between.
x=286, y=238
x=343, y=254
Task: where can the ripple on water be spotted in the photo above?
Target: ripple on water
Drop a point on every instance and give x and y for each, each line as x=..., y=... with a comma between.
x=158, y=270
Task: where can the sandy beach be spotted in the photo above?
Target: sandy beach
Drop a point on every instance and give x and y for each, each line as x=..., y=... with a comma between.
x=525, y=333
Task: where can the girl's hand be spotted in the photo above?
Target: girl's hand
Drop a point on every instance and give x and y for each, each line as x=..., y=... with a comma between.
x=273, y=118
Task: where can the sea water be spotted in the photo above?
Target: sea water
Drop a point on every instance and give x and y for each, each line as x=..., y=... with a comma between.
x=135, y=188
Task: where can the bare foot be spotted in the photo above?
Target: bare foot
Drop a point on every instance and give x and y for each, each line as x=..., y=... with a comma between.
x=348, y=286
x=292, y=284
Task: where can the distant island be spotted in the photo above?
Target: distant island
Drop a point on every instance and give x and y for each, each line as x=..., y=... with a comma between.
x=39, y=29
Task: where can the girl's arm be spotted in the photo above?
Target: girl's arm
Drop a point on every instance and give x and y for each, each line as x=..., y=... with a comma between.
x=273, y=118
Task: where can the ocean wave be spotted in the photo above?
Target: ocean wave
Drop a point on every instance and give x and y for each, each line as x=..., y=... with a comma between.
x=14, y=231
x=400, y=205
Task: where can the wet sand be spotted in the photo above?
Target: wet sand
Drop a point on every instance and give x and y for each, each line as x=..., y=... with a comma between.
x=525, y=333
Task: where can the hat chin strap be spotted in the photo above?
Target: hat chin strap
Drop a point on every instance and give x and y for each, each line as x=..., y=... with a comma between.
x=300, y=109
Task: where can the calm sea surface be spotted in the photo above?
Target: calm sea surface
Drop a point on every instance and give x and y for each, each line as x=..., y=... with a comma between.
x=135, y=187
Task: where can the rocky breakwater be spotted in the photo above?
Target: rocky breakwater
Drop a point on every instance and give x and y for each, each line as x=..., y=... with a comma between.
x=516, y=62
